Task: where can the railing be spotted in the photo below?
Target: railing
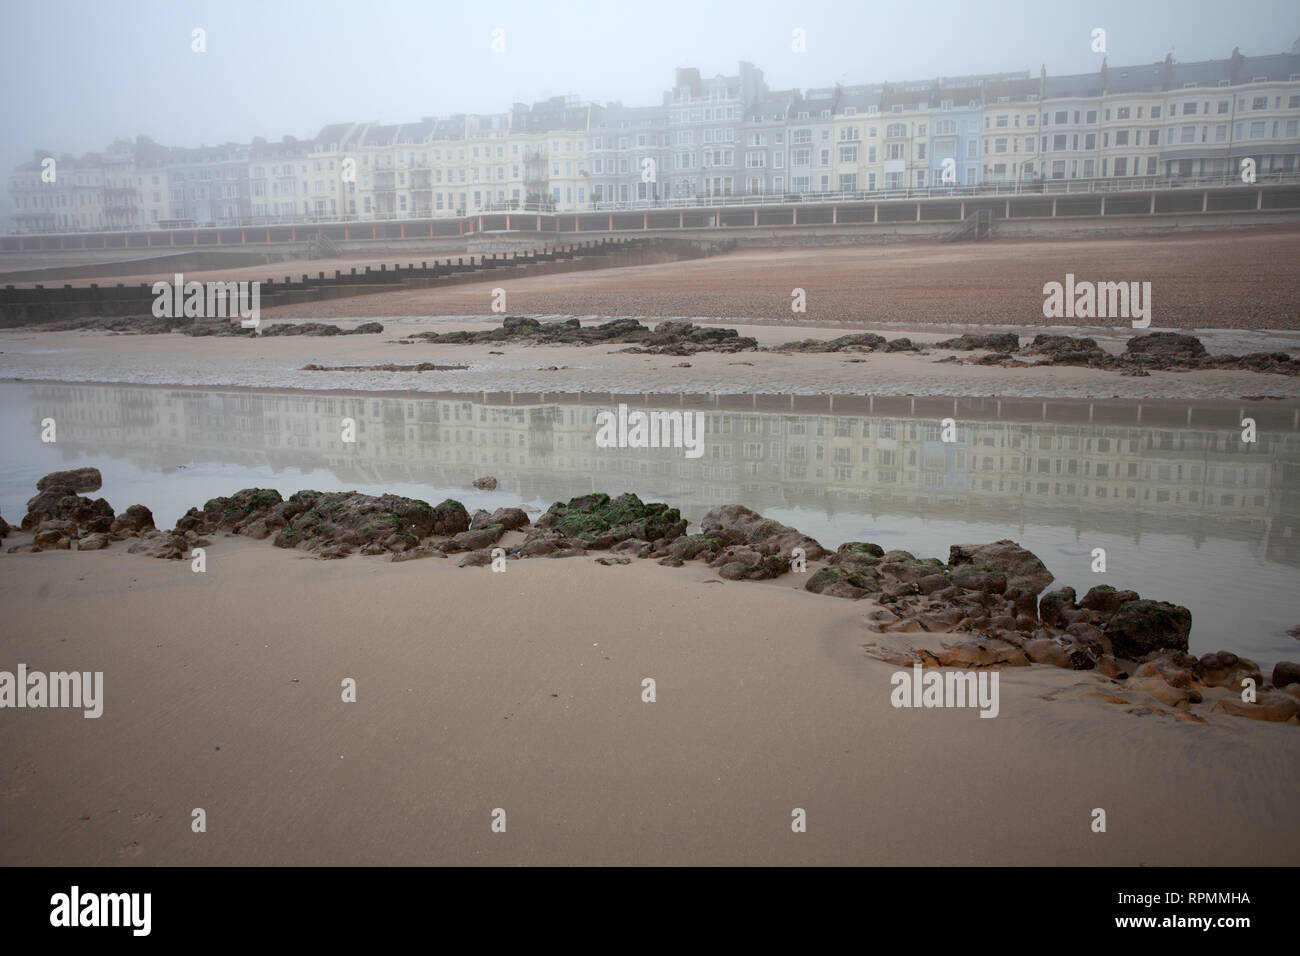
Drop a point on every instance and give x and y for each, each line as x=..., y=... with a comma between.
x=1049, y=187
x=1038, y=187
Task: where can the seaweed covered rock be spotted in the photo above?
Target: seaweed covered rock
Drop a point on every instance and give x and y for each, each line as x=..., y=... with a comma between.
x=597, y=522
x=1022, y=568
x=843, y=582
x=340, y=520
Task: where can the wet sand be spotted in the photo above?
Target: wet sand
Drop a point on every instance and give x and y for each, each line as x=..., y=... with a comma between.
x=1246, y=279
x=522, y=691
x=277, y=362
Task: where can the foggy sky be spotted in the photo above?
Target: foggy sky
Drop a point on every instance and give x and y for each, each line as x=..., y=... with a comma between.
x=79, y=73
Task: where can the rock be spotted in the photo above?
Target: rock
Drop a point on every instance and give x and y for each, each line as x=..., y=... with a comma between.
x=1045, y=650
x=597, y=522
x=673, y=337
x=997, y=341
x=50, y=540
x=1065, y=349
x=976, y=579
x=57, y=501
x=1169, y=696
x=932, y=583
x=1166, y=345
x=540, y=547
x=1173, y=667
x=1225, y=669
x=1274, y=707
x=92, y=542
x=73, y=481
x=687, y=547
x=1139, y=627
x=1022, y=568
x=313, y=520
x=857, y=342
x=1286, y=673
x=1054, y=606
x=485, y=484
x=132, y=522
x=988, y=653
x=474, y=540
x=1105, y=600
x=747, y=564
x=633, y=546
x=476, y=559
x=862, y=553
x=509, y=518
x=842, y=582
x=736, y=524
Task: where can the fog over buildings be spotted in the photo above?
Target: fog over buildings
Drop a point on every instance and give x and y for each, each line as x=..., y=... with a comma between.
x=82, y=78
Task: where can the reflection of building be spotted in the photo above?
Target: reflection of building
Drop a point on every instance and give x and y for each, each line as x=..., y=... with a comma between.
x=1129, y=478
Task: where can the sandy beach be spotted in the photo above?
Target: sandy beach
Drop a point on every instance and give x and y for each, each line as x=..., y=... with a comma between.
x=522, y=691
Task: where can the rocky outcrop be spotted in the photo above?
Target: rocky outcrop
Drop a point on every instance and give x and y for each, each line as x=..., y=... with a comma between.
x=320, y=328
x=597, y=522
x=673, y=337
x=330, y=523
x=994, y=341
x=857, y=342
x=73, y=482
x=1168, y=351
x=485, y=484
x=57, y=499
x=983, y=604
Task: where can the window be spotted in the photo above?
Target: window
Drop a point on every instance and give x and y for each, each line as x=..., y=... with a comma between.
x=1189, y=109
x=1259, y=103
x=849, y=154
x=895, y=131
x=1122, y=113
x=1155, y=112
x=1257, y=129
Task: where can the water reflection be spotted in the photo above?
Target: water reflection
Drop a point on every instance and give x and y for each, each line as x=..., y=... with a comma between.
x=1185, y=509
